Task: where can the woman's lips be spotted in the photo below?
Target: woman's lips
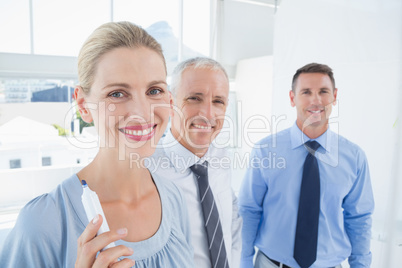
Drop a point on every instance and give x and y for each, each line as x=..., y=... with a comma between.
x=140, y=132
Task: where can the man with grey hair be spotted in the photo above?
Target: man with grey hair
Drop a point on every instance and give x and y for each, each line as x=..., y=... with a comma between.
x=200, y=88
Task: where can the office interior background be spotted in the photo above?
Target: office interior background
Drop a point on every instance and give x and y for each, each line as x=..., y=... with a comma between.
x=261, y=43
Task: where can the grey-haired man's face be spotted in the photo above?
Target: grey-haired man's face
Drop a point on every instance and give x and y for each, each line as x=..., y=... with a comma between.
x=202, y=99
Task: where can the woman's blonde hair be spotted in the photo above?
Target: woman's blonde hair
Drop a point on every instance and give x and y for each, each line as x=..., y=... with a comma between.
x=107, y=37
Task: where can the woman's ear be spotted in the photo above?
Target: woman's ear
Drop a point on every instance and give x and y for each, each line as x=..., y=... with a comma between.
x=79, y=96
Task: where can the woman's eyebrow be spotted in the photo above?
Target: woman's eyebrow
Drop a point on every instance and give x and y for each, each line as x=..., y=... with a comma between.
x=156, y=82
x=124, y=85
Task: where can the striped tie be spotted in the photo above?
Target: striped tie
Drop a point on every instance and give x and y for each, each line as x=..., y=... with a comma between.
x=211, y=217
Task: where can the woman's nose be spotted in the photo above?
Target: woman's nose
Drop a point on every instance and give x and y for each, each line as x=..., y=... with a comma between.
x=140, y=107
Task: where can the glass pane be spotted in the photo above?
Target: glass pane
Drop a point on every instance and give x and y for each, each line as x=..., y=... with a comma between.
x=14, y=26
x=146, y=13
x=45, y=100
x=46, y=161
x=2, y=95
x=196, y=28
x=41, y=127
x=34, y=90
x=15, y=163
x=160, y=18
x=61, y=27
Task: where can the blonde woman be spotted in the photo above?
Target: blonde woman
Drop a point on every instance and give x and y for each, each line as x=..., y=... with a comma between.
x=123, y=90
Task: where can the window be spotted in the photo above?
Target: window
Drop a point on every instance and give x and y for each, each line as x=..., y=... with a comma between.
x=181, y=26
x=35, y=90
x=55, y=32
x=196, y=27
x=46, y=161
x=14, y=30
x=15, y=163
x=164, y=24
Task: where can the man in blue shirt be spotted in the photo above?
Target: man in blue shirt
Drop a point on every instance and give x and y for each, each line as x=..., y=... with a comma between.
x=270, y=195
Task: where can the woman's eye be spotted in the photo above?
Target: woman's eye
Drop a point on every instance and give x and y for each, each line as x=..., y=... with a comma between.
x=116, y=94
x=155, y=91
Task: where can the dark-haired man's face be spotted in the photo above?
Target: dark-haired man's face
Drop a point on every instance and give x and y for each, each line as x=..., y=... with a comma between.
x=313, y=98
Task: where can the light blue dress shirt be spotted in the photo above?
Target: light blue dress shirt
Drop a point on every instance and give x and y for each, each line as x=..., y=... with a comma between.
x=270, y=191
x=48, y=227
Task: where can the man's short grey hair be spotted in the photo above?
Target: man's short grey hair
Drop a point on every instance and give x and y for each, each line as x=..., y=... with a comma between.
x=196, y=63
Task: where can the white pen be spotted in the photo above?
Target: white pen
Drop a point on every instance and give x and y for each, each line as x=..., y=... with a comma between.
x=92, y=208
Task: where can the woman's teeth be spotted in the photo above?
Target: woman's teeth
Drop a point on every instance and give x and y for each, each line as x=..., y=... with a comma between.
x=137, y=132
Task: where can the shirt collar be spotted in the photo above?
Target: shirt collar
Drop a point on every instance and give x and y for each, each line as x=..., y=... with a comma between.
x=298, y=138
x=181, y=157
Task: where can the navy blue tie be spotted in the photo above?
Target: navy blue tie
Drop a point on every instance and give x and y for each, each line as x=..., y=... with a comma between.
x=305, y=250
x=211, y=218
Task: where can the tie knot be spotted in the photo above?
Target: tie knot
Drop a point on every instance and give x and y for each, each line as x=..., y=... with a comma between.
x=200, y=169
x=312, y=146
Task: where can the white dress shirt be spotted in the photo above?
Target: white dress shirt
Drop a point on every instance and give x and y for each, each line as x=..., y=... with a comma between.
x=173, y=161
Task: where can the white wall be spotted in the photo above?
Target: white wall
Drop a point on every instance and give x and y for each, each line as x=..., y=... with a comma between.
x=247, y=32
x=44, y=112
x=31, y=182
x=253, y=86
x=60, y=151
x=37, y=66
x=30, y=157
x=254, y=81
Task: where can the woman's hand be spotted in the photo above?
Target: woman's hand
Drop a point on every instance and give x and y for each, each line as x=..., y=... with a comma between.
x=89, y=245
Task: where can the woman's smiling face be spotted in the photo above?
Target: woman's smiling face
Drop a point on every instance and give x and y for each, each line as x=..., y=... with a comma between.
x=129, y=101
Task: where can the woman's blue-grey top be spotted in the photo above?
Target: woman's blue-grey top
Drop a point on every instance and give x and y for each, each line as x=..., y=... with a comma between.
x=47, y=229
